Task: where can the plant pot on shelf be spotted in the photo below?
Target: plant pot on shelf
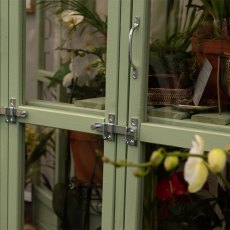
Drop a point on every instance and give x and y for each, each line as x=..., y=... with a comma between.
x=87, y=165
x=167, y=96
x=164, y=90
x=211, y=49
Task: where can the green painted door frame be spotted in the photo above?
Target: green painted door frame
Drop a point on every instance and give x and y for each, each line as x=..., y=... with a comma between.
x=125, y=98
x=4, y=132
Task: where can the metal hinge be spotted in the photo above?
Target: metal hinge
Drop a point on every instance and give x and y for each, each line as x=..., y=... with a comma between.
x=12, y=113
x=110, y=129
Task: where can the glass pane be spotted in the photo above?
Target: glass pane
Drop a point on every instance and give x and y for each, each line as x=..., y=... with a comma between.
x=63, y=179
x=189, y=61
x=66, y=52
x=169, y=202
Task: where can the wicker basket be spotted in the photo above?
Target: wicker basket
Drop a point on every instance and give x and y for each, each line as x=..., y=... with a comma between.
x=165, y=96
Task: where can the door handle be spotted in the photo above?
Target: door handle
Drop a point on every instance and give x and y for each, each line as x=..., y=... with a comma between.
x=136, y=23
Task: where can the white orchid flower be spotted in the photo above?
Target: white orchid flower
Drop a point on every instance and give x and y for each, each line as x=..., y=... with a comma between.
x=82, y=67
x=67, y=80
x=66, y=55
x=83, y=37
x=71, y=18
x=83, y=80
x=195, y=170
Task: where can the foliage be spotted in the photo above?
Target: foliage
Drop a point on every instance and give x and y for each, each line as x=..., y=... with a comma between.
x=36, y=146
x=178, y=39
x=90, y=16
x=172, y=54
x=216, y=22
x=83, y=49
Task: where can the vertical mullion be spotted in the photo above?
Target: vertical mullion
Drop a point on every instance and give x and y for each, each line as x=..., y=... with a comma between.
x=112, y=72
x=123, y=106
x=16, y=156
x=137, y=110
x=4, y=69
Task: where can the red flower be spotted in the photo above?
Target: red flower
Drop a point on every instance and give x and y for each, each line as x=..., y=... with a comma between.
x=171, y=191
x=172, y=186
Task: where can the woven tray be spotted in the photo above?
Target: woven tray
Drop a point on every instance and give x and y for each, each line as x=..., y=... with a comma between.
x=165, y=96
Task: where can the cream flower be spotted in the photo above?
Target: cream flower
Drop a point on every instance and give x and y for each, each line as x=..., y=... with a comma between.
x=83, y=37
x=67, y=80
x=195, y=171
x=82, y=67
x=217, y=160
x=71, y=18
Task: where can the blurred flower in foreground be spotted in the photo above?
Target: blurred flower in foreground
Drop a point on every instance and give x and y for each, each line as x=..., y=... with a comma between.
x=217, y=160
x=157, y=157
x=195, y=171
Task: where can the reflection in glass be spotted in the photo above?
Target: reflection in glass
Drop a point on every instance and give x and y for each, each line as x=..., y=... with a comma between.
x=185, y=61
x=169, y=205
x=63, y=179
x=71, y=54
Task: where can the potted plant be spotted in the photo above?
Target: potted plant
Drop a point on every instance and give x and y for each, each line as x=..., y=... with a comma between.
x=173, y=67
x=211, y=41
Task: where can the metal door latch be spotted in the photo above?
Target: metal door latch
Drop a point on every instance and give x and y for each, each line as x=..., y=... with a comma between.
x=110, y=129
x=12, y=113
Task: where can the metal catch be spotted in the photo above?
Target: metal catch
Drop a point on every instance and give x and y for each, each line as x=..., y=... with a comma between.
x=110, y=129
x=12, y=113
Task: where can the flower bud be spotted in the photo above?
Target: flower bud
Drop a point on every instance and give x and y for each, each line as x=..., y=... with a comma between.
x=217, y=160
x=81, y=53
x=170, y=162
x=139, y=172
x=157, y=157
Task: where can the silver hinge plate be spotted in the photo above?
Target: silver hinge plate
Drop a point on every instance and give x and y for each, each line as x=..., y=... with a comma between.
x=12, y=113
x=110, y=129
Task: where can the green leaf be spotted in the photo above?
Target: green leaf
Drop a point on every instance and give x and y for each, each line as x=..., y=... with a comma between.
x=39, y=150
x=59, y=75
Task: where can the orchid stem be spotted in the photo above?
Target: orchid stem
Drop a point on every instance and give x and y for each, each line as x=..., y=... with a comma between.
x=225, y=181
x=124, y=163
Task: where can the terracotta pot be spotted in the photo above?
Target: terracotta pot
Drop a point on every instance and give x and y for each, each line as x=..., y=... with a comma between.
x=83, y=146
x=211, y=49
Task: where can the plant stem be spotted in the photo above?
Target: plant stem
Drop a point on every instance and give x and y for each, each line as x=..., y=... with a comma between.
x=225, y=181
x=124, y=163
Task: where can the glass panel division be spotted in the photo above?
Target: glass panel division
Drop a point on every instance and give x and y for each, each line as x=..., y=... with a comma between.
x=63, y=179
x=182, y=192
x=189, y=61
x=66, y=52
